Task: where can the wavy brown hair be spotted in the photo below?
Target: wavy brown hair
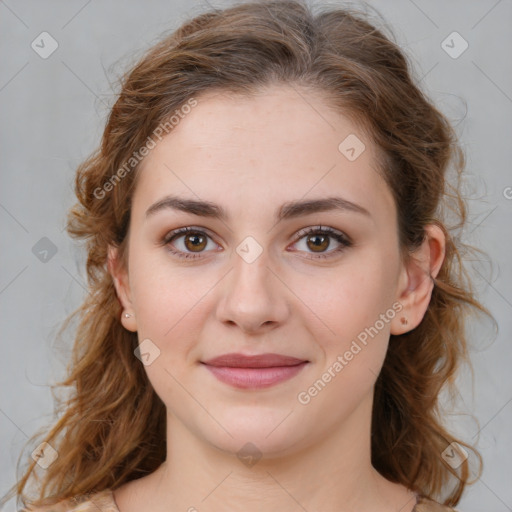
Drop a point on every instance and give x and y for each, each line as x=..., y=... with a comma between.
x=111, y=427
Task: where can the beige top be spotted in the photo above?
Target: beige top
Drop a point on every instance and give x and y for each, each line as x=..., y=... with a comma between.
x=104, y=501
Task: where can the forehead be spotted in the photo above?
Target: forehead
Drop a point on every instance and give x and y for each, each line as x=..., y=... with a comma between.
x=277, y=145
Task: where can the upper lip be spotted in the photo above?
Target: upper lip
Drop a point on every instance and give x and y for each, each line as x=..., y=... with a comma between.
x=257, y=361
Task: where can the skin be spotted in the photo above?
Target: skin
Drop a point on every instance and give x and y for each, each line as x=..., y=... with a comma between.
x=251, y=155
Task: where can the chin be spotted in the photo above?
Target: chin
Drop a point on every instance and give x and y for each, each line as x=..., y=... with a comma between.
x=260, y=432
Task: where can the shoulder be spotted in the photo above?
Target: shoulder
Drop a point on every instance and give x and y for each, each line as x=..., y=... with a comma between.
x=426, y=505
x=102, y=501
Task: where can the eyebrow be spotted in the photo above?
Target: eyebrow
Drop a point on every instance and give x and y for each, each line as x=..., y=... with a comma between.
x=289, y=210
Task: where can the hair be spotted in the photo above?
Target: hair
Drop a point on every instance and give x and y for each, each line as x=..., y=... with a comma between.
x=111, y=428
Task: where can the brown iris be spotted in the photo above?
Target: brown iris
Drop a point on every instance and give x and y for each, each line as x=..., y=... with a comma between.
x=195, y=241
x=321, y=242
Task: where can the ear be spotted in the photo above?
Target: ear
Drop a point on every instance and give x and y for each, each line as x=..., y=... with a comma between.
x=416, y=280
x=119, y=274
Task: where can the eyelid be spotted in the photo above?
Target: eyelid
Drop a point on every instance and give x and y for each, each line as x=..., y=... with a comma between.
x=326, y=229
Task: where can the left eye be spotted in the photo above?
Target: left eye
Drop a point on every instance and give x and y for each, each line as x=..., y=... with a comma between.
x=319, y=240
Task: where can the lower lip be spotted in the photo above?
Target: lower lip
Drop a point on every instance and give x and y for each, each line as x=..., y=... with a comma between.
x=255, y=378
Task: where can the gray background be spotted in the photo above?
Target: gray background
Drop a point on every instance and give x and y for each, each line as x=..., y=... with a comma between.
x=54, y=109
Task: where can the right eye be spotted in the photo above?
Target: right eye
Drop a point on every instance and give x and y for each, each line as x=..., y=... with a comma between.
x=193, y=241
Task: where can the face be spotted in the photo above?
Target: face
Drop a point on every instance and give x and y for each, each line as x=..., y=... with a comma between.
x=257, y=273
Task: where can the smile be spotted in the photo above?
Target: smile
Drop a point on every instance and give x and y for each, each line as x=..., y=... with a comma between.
x=254, y=372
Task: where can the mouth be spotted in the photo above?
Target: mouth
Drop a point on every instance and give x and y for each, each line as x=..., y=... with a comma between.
x=254, y=372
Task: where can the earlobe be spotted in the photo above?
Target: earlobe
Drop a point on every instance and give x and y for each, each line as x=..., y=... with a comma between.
x=121, y=284
x=417, y=280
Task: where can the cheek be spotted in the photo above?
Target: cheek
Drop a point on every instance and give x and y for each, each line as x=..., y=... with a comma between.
x=170, y=313
x=167, y=301
x=357, y=307
x=347, y=300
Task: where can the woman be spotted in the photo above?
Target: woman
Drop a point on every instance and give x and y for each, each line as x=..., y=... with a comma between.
x=276, y=299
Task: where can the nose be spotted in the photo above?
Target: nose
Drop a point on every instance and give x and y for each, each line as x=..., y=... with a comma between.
x=252, y=296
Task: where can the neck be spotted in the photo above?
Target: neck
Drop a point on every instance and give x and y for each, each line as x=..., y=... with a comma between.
x=334, y=473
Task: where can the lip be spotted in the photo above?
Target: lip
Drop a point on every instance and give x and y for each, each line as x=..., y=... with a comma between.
x=235, y=360
x=258, y=371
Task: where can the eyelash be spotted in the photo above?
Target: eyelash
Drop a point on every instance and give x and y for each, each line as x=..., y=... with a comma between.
x=339, y=237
